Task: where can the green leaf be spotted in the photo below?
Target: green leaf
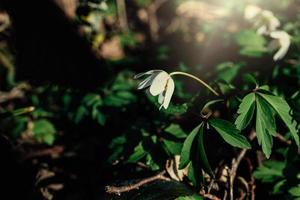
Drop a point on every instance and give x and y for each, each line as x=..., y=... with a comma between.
x=175, y=130
x=265, y=126
x=227, y=71
x=139, y=153
x=278, y=188
x=212, y=102
x=203, y=158
x=117, y=147
x=245, y=111
x=44, y=131
x=101, y=118
x=229, y=133
x=187, y=146
x=250, y=79
x=80, y=114
x=151, y=163
x=173, y=148
x=251, y=43
x=192, y=197
x=174, y=109
x=269, y=171
x=194, y=175
x=295, y=191
x=91, y=99
x=283, y=109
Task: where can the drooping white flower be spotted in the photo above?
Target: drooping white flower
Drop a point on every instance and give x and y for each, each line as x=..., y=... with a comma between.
x=160, y=83
x=282, y=40
x=263, y=20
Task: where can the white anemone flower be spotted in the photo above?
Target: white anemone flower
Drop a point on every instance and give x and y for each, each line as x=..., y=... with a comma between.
x=159, y=83
x=263, y=20
x=282, y=40
x=267, y=23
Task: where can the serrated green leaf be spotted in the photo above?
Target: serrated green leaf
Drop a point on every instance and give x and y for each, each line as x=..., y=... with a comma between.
x=267, y=115
x=245, y=111
x=264, y=128
x=229, y=133
x=283, y=109
x=187, y=146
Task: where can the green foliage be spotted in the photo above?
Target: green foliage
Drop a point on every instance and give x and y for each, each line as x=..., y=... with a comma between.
x=228, y=71
x=91, y=105
x=43, y=130
x=295, y=192
x=245, y=111
x=281, y=175
x=283, y=110
x=185, y=155
x=218, y=48
x=229, y=133
x=251, y=44
x=265, y=126
x=193, y=197
x=267, y=105
x=175, y=130
x=193, y=151
x=270, y=171
x=120, y=93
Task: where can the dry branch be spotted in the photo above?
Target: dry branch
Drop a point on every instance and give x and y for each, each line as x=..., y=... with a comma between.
x=127, y=188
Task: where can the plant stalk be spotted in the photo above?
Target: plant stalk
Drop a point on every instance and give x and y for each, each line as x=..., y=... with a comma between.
x=197, y=79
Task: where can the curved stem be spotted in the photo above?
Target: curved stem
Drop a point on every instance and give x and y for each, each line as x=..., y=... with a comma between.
x=197, y=79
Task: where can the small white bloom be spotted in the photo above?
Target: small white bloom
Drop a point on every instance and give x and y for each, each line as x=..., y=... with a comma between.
x=159, y=83
x=282, y=40
x=267, y=23
x=263, y=20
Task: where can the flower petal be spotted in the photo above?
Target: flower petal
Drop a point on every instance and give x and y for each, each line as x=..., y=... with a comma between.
x=146, y=73
x=161, y=97
x=284, y=41
x=159, y=83
x=146, y=83
x=168, y=93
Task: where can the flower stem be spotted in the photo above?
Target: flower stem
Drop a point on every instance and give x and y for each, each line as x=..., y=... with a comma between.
x=197, y=79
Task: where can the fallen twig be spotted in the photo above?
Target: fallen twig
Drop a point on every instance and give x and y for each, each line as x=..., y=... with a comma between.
x=210, y=196
x=283, y=140
x=127, y=188
x=45, y=152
